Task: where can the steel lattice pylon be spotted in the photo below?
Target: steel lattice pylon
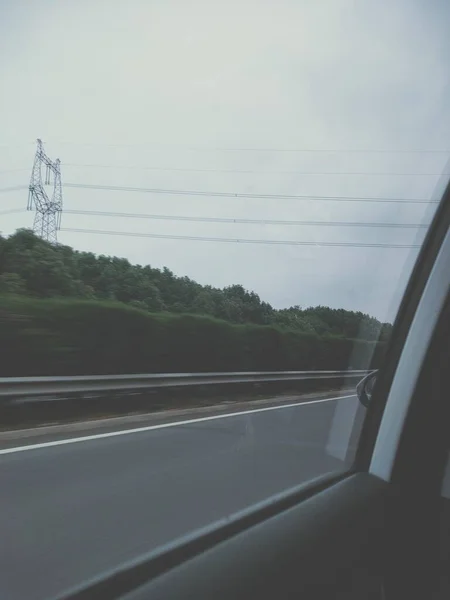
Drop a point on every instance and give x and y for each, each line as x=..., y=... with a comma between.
x=47, y=219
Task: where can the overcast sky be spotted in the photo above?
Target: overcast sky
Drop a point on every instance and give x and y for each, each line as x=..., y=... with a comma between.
x=282, y=90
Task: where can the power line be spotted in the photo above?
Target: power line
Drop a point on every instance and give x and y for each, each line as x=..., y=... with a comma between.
x=241, y=171
x=335, y=151
x=247, y=195
x=249, y=171
x=244, y=221
x=15, y=145
x=254, y=149
x=14, y=188
x=12, y=170
x=11, y=211
x=238, y=241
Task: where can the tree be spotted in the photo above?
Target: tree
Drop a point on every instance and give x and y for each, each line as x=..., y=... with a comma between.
x=293, y=318
x=152, y=298
x=251, y=308
x=30, y=265
x=38, y=263
x=12, y=283
x=204, y=303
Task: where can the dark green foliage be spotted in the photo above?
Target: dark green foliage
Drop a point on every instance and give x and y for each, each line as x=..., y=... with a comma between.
x=72, y=337
x=64, y=311
x=44, y=270
x=12, y=283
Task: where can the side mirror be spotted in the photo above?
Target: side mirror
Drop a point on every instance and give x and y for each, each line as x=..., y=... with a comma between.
x=365, y=387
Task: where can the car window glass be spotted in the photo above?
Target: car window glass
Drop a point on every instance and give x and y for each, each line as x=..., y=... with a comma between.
x=209, y=215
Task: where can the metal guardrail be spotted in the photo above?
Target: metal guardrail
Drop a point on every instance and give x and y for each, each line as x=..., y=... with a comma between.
x=43, y=386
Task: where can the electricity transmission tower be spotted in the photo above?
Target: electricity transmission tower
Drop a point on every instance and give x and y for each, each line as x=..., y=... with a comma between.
x=47, y=219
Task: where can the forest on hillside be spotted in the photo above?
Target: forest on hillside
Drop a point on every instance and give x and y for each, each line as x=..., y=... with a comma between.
x=31, y=266
x=65, y=312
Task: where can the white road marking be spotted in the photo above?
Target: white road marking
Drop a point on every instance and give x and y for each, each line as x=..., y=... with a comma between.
x=99, y=436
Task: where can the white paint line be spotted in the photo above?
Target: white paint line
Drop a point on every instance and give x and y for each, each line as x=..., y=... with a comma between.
x=100, y=436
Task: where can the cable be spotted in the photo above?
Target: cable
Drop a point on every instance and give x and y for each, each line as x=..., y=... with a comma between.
x=249, y=149
x=334, y=151
x=15, y=145
x=248, y=171
x=12, y=210
x=243, y=195
x=237, y=241
x=238, y=171
x=13, y=170
x=14, y=188
x=241, y=220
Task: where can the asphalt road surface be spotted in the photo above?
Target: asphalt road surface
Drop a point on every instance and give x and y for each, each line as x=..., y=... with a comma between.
x=70, y=511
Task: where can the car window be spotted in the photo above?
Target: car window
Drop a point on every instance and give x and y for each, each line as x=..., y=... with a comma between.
x=209, y=215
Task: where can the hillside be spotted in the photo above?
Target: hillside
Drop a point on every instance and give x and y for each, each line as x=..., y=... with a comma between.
x=68, y=312
x=30, y=266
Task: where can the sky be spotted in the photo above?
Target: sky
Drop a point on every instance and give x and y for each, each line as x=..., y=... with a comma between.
x=333, y=98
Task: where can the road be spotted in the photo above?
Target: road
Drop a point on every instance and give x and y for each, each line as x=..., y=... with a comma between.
x=72, y=510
